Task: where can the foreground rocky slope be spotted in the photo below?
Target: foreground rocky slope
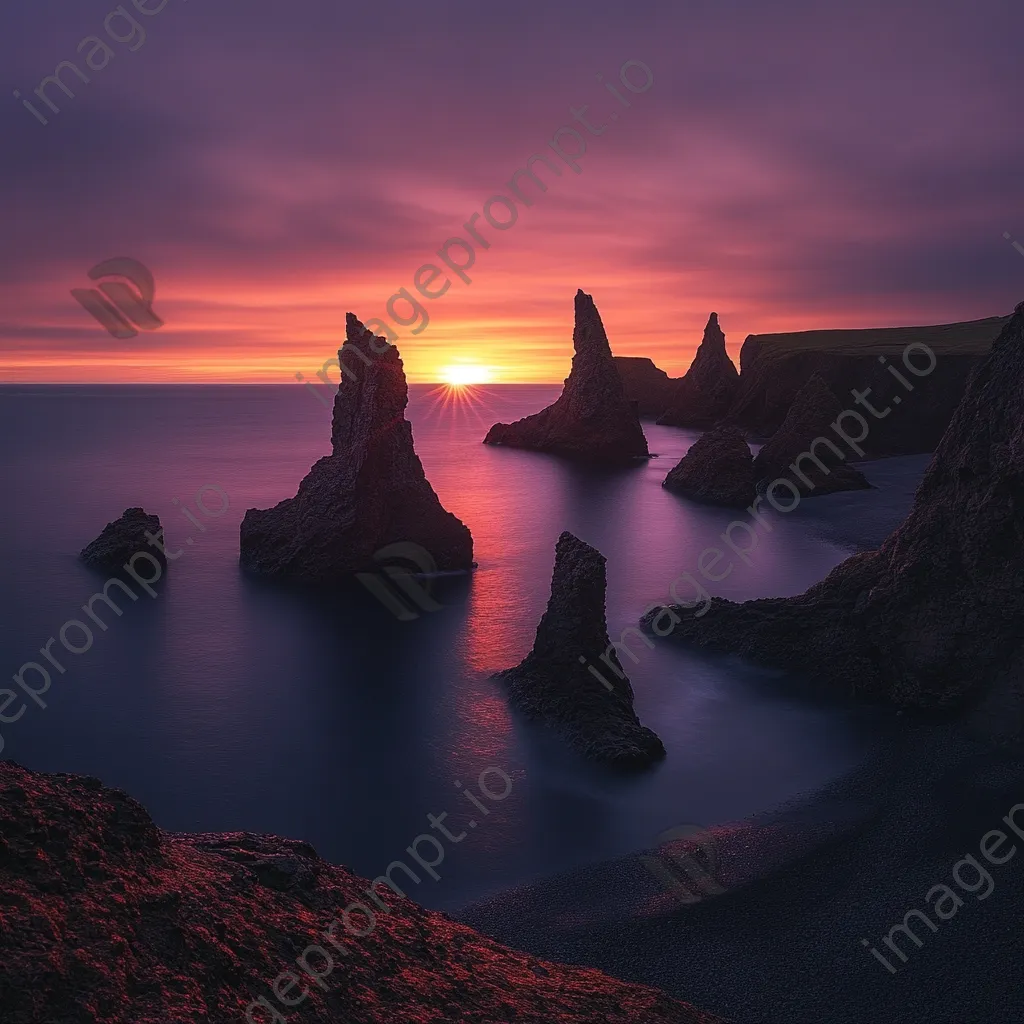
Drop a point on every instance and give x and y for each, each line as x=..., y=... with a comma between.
x=592, y=420
x=934, y=617
x=553, y=683
x=810, y=417
x=370, y=492
x=105, y=919
x=774, y=367
x=718, y=469
x=706, y=391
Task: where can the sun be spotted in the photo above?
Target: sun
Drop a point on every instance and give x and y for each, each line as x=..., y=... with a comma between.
x=465, y=375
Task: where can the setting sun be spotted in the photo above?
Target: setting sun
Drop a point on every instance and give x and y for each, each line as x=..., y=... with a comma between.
x=459, y=376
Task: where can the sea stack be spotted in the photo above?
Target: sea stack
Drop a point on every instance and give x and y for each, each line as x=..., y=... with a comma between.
x=370, y=492
x=718, y=469
x=806, y=450
x=554, y=684
x=934, y=617
x=703, y=396
x=108, y=918
x=123, y=538
x=592, y=420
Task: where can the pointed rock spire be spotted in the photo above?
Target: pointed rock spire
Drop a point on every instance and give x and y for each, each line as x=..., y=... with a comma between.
x=553, y=683
x=370, y=492
x=592, y=419
x=703, y=396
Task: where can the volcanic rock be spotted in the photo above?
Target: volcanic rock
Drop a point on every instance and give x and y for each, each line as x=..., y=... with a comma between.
x=123, y=538
x=718, y=469
x=592, y=420
x=109, y=920
x=704, y=394
x=822, y=469
x=774, y=367
x=552, y=683
x=370, y=492
x=935, y=616
x=647, y=385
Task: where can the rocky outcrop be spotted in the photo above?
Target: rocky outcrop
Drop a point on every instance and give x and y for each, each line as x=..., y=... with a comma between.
x=123, y=538
x=108, y=920
x=647, y=385
x=935, y=617
x=370, y=492
x=795, y=452
x=705, y=393
x=718, y=469
x=592, y=420
x=553, y=683
x=774, y=367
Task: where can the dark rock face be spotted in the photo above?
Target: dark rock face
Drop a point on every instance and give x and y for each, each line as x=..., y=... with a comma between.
x=109, y=920
x=647, y=385
x=774, y=367
x=553, y=685
x=703, y=396
x=824, y=470
x=123, y=538
x=370, y=492
x=718, y=469
x=592, y=420
x=935, y=617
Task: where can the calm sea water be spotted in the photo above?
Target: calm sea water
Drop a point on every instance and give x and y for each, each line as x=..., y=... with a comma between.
x=228, y=704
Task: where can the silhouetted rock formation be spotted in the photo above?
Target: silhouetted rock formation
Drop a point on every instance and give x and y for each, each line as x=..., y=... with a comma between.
x=592, y=419
x=818, y=470
x=108, y=919
x=123, y=538
x=647, y=385
x=718, y=469
x=552, y=683
x=774, y=367
x=934, y=617
x=369, y=493
x=704, y=394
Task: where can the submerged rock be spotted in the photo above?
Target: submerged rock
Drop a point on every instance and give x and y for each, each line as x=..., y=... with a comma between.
x=646, y=384
x=107, y=918
x=370, y=492
x=789, y=453
x=592, y=419
x=123, y=538
x=935, y=616
x=553, y=683
x=704, y=394
x=718, y=469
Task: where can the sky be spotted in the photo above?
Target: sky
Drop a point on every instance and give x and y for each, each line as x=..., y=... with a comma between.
x=790, y=165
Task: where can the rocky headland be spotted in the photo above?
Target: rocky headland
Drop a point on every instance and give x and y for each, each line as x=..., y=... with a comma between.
x=370, y=492
x=796, y=453
x=934, y=618
x=122, y=538
x=718, y=469
x=592, y=420
x=774, y=367
x=106, y=919
x=646, y=384
x=553, y=684
x=703, y=396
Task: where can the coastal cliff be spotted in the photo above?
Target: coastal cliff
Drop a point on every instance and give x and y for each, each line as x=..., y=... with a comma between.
x=646, y=384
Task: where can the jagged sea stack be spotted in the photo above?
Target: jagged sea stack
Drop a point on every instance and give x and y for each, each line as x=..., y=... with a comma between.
x=123, y=538
x=935, y=617
x=703, y=396
x=718, y=470
x=592, y=420
x=370, y=492
x=789, y=453
x=553, y=685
